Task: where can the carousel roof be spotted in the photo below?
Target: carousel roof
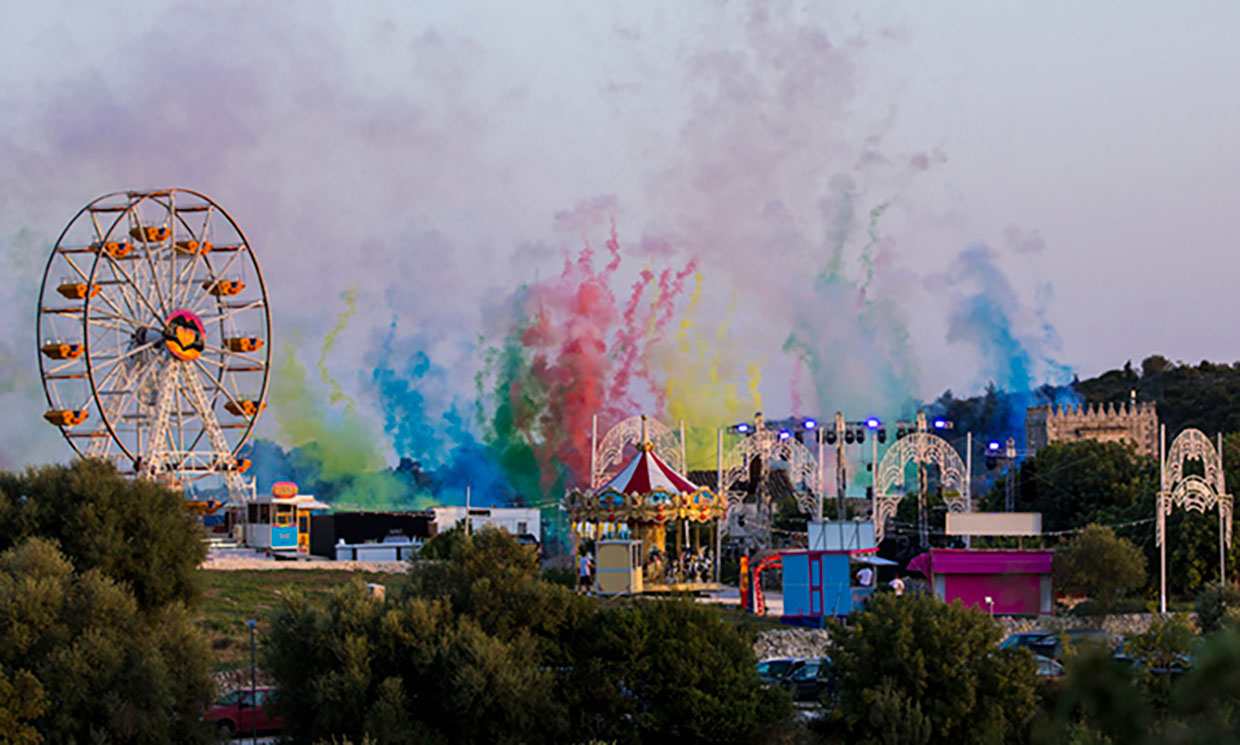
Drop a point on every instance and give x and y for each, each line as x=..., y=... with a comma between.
x=648, y=473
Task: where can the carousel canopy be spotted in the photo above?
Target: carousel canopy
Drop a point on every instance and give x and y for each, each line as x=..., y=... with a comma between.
x=648, y=473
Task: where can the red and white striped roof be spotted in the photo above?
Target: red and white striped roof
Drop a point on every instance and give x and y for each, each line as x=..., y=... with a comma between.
x=648, y=473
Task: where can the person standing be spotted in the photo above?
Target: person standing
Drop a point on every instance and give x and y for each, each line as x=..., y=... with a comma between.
x=897, y=586
x=585, y=570
x=865, y=577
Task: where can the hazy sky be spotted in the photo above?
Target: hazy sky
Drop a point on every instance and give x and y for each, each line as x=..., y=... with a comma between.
x=1069, y=165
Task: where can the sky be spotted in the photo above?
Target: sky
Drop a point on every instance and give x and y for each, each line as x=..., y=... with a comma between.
x=813, y=207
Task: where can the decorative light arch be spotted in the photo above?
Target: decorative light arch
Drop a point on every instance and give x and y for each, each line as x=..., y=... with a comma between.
x=1192, y=492
x=803, y=467
x=924, y=449
x=610, y=452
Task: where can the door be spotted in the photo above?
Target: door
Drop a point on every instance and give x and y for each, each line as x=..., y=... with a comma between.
x=303, y=531
x=815, y=585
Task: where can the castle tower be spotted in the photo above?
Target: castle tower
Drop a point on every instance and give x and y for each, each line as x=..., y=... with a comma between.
x=1129, y=422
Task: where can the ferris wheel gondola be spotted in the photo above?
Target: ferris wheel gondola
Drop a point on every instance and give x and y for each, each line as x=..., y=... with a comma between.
x=154, y=336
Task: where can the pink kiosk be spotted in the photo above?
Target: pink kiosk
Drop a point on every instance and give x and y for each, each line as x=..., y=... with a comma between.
x=1007, y=582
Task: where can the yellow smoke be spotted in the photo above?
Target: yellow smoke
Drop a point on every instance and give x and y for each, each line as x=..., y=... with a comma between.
x=700, y=384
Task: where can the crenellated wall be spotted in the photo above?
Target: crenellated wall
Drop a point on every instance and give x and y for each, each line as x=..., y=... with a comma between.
x=1129, y=422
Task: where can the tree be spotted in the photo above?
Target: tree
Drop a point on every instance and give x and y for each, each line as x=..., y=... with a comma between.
x=668, y=671
x=915, y=656
x=1099, y=564
x=1076, y=483
x=478, y=648
x=1217, y=605
x=82, y=662
x=134, y=531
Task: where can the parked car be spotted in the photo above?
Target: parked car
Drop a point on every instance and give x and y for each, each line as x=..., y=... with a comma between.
x=1023, y=640
x=1048, y=668
x=1056, y=644
x=774, y=671
x=807, y=682
x=235, y=712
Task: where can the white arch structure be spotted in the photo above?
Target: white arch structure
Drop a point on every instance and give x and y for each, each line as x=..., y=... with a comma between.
x=1192, y=492
x=923, y=449
x=609, y=453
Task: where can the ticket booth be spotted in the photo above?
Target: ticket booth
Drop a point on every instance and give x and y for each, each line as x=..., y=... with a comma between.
x=618, y=567
x=280, y=521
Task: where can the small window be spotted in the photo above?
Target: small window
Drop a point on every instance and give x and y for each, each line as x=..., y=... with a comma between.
x=264, y=514
x=253, y=518
x=522, y=528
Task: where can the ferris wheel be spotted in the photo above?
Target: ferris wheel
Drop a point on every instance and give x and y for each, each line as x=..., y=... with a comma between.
x=155, y=337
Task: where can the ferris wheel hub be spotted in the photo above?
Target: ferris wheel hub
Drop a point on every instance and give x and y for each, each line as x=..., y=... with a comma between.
x=184, y=335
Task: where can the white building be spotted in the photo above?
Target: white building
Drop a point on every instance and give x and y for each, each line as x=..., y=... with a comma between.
x=516, y=520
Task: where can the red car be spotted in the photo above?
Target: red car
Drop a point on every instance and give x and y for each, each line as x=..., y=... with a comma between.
x=235, y=712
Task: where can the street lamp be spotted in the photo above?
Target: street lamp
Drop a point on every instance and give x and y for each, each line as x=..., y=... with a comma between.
x=253, y=688
x=991, y=602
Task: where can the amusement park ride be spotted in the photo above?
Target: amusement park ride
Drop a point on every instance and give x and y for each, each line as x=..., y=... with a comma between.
x=155, y=338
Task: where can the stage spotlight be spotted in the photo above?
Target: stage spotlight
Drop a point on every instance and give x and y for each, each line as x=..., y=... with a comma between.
x=882, y=436
x=994, y=444
x=900, y=433
x=830, y=437
x=873, y=423
x=849, y=437
x=784, y=434
x=940, y=424
x=743, y=428
x=861, y=435
x=809, y=424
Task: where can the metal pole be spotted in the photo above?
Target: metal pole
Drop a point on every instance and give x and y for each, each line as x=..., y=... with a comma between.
x=684, y=457
x=841, y=469
x=822, y=471
x=1222, y=554
x=1161, y=525
x=719, y=492
x=593, y=447
x=253, y=688
x=968, y=484
x=467, y=520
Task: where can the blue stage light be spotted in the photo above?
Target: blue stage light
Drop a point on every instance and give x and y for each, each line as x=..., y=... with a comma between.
x=940, y=423
x=742, y=428
x=784, y=434
x=873, y=423
x=809, y=424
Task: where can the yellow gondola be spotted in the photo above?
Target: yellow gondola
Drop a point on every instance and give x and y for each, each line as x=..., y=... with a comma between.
x=66, y=417
x=115, y=249
x=63, y=351
x=220, y=287
x=151, y=233
x=78, y=290
x=243, y=343
x=190, y=248
x=245, y=407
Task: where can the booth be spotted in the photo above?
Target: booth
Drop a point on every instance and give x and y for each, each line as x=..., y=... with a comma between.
x=280, y=521
x=818, y=584
x=618, y=567
x=999, y=581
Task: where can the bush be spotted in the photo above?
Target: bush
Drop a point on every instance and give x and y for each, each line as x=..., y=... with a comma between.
x=912, y=662
x=85, y=664
x=136, y=532
x=1099, y=564
x=1217, y=605
x=669, y=671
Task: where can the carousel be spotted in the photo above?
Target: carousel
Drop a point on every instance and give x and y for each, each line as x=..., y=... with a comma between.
x=653, y=528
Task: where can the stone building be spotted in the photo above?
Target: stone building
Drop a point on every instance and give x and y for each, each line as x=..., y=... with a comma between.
x=1130, y=422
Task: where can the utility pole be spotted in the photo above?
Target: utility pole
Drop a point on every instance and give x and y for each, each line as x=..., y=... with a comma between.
x=841, y=468
x=1009, y=477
